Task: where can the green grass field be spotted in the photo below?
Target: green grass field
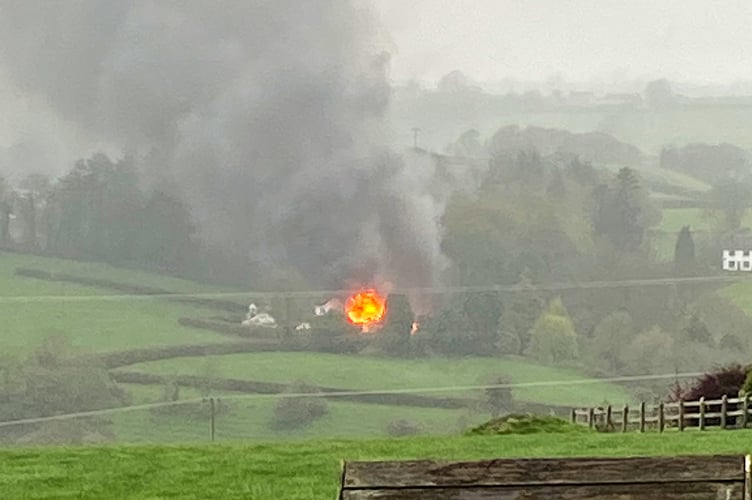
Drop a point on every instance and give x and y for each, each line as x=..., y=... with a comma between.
x=111, y=325
x=370, y=373
x=308, y=470
x=250, y=419
x=673, y=219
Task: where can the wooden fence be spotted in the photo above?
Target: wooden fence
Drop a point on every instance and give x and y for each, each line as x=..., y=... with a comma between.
x=726, y=413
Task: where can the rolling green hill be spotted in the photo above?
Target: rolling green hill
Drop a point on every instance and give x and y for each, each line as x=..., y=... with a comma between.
x=35, y=309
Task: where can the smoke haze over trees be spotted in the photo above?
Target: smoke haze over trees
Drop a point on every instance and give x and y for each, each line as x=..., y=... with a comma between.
x=264, y=118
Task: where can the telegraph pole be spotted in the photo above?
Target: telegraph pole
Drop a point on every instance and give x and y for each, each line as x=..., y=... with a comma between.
x=415, y=137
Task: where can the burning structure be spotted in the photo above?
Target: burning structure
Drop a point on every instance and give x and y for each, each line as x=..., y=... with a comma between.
x=366, y=309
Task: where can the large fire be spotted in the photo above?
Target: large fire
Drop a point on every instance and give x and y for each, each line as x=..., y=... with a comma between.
x=365, y=308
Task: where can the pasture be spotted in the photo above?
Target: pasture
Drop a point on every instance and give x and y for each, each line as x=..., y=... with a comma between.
x=302, y=470
x=371, y=373
x=33, y=310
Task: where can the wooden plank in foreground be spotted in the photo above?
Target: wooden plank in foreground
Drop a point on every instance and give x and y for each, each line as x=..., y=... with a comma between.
x=522, y=472
x=659, y=491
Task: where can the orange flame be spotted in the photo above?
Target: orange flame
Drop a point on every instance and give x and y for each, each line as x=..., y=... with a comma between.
x=365, y=308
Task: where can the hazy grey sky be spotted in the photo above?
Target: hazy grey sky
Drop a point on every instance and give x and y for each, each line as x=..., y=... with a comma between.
x=704, y=41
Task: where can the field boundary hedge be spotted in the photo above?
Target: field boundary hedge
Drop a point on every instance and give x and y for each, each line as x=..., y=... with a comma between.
x=117, y=359
x=40, y=274
x=256, y=387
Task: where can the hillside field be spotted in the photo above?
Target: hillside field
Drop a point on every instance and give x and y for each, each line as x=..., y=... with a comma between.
x=34, y=309
x=370, y=373
x=308, y=470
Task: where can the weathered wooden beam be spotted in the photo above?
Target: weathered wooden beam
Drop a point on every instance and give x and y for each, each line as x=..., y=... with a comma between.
x=520, y=472
x=660, y=491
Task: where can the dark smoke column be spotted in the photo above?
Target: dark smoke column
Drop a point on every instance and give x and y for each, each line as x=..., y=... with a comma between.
x=266, y=114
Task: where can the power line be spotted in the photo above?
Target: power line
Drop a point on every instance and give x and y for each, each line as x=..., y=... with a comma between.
x=440, y=290
x=418, y=390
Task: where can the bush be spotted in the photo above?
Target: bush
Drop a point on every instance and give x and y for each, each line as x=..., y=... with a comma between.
x=526, y=424
x=403, y=427
x=727, y=381
x=747, y=386
x=553, y=338
x=294, y=412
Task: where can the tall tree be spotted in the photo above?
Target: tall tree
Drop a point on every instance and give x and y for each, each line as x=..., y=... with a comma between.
x=623, y=212
x=610, y=336
x=684, y=252
x=553, y=338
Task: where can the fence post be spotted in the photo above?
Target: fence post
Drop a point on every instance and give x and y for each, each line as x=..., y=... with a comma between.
x=702, y=413
x=574, y=415
x=724, y=411
x=625, y=418
x=745, y=406
x=681, y=414
x=642, y=416
x=661, y=417
x=609, y=422
x=211, y=403
x=591, y=417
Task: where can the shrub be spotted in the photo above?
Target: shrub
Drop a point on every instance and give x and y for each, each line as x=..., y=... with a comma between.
x=293, y=412
x=526, y=424
x=747, y=386
x=553, y=338
x=727, y=381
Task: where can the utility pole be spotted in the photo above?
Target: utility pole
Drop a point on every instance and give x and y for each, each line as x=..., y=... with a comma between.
x=415, y=137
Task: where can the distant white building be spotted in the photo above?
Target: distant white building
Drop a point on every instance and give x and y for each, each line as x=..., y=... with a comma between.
x=737, y=260
x=254, y=318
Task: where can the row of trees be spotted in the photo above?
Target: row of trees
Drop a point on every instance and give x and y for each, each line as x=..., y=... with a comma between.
x=98, y=211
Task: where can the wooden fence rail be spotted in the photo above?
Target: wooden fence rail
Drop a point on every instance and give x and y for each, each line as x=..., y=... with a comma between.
x=713, y=477
x=725, y=413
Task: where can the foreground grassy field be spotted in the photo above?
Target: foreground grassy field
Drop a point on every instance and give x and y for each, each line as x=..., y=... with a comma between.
x=299, y=470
